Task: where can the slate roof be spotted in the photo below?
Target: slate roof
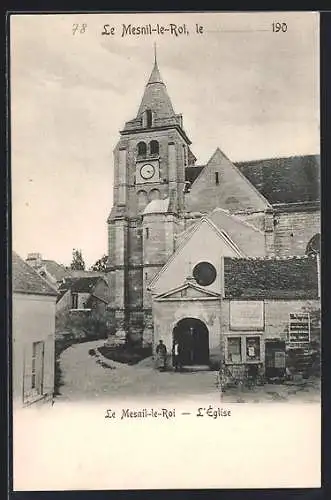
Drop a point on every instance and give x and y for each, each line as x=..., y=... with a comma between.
x=191, y=173
x=155, y=75
x=283, y=278
x=26, y=280
x=54, y=269
x=156, y=97
x=86, y=284
x=82, y=285
x=295, y=179
x=61, y=293
x=285, y=180
x=82, y=273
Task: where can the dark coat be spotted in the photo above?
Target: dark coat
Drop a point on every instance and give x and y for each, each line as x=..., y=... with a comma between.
x=161, y=350
x=161, y=356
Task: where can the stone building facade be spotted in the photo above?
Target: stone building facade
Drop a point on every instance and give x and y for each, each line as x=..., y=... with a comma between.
x=170, y=215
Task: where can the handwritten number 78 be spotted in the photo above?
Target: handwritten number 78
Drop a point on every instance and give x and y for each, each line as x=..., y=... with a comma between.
x=79, y=28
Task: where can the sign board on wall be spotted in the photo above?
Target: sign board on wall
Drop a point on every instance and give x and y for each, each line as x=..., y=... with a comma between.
x=246, y=315
x=299, y=327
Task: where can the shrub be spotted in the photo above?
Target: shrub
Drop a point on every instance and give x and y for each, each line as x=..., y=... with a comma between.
x=125, y=354
x=80, y=325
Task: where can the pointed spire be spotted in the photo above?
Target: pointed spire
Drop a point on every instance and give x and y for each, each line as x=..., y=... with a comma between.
x=155, y=75
x=155, y=96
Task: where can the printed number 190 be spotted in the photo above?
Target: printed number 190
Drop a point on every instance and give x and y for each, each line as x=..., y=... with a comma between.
x=277, y=27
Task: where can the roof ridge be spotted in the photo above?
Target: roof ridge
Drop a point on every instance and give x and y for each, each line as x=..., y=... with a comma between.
x=53, y=260
x=272, y=257
x=49, y=288
x=275, y=158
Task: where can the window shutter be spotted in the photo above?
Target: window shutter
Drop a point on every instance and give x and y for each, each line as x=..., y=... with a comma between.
x=27, y=373
x=49, y=365
x=39, y=367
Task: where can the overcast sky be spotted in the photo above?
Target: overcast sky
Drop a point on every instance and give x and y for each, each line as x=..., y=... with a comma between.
x=240, y=87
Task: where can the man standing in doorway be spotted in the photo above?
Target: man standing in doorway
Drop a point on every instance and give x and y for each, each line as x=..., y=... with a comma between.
x=161, y=353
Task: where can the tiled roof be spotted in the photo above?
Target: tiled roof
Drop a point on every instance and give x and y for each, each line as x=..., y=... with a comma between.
x=60, y=294
x=283, y=278
x=294, y=179
x=26, y=280
x=82, y=285
x=191, y=173
x=80, y=273
x=54, y=269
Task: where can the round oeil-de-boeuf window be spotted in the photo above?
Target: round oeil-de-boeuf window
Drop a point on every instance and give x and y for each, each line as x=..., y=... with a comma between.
x=204, y=273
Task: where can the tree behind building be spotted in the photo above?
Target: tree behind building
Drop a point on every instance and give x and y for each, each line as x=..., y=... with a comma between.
x=77, y=263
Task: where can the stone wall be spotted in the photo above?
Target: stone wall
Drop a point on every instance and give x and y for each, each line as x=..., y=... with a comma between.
x=294, y=229
x=277, y=314
x=220, y=184
x=167, y=314
x=276, y=317
x=216, y=316
x=130, y=144
x=135, y=242
x=134, y=286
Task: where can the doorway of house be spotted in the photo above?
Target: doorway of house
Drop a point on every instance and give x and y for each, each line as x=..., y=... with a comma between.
x=275, y=359
x=193, y=338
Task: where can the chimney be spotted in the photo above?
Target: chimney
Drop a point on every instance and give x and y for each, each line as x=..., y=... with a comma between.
x=34, y=259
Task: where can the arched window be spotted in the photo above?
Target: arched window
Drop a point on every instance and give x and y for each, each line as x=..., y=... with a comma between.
x=142, y=200
x=154, y=147
x=149, y=118
x=154, y=194
x=314, y=245
x=142, y=149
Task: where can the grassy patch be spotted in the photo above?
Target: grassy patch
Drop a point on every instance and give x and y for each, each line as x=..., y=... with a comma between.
x=125, y=354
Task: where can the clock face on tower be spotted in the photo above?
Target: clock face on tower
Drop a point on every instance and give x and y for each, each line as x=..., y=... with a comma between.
x=147, y=171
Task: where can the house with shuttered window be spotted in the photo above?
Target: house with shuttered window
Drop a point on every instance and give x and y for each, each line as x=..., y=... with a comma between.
x=33, y=335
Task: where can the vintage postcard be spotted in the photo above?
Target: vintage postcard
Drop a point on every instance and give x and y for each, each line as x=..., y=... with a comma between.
x=166, y=250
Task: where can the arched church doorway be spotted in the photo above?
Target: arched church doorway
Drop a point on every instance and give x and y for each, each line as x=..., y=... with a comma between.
x=314, y=245
x=193, y=338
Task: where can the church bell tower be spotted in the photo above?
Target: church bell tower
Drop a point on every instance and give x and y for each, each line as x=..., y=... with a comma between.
x=149, y=177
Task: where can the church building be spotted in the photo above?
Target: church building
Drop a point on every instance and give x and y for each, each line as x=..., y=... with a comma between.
x=195, y=250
